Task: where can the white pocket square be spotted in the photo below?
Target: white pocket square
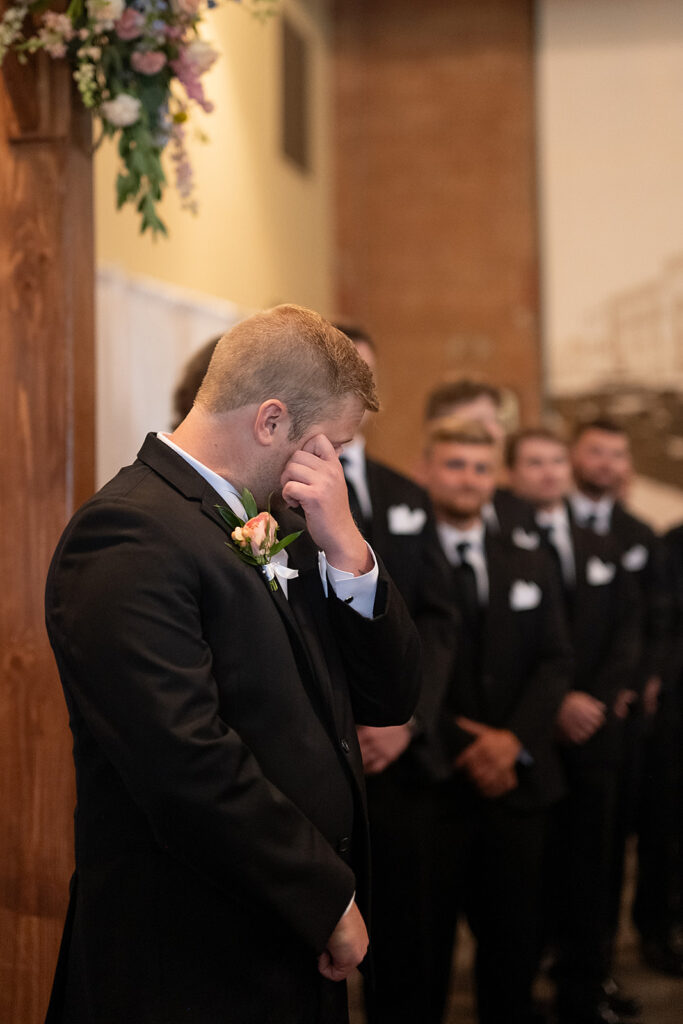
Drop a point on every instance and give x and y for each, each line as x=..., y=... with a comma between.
x=524, y=596
x=598, y=573
x=524, y=540
x=635, y=558
x=403, y=519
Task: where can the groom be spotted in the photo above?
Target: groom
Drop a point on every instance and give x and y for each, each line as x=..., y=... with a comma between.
x=221, y=837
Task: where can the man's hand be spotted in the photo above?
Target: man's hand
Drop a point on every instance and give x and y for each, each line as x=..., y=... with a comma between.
x=490, y=759
x=346, y=946
x=650, y=698
x=623, y=702
x=381, y=746
x=580, y=716
x=313, y=478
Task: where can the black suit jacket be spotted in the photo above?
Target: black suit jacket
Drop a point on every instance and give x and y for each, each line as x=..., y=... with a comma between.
x=636, y=538
x=604, y=626
x=524, y=668
x=416, y=564
x=220, y=827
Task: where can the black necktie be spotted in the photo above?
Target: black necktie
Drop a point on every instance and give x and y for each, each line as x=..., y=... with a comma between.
x=354, y=503
x=467, y=582
x=591, y=522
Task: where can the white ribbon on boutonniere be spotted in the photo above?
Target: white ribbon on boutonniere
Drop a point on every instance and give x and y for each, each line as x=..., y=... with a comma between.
x=255, y=541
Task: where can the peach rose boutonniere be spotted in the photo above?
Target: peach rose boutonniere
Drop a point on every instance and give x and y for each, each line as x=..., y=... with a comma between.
x=255, y=539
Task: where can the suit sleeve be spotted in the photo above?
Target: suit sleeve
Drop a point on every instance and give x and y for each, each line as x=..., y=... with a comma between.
x=533, y=718
x=381, y=655
x=124, y=618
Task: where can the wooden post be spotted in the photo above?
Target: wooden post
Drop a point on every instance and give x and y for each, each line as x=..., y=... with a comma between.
x=46, y=470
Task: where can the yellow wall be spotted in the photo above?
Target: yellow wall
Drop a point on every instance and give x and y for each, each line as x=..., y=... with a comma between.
x=264, y=232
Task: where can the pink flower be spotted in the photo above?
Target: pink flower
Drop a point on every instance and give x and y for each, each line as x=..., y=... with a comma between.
x=185, y=7
x=130, y=25
x=149, y=62
x=258, y=532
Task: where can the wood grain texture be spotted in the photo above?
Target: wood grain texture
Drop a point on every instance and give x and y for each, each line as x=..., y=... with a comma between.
x=436, y=200
x=46, y=468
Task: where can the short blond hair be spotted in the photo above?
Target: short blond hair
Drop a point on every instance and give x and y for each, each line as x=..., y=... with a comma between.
x=455, y=430
x=289, y=353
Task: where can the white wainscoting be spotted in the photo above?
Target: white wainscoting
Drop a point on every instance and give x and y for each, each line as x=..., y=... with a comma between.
x=146, y=331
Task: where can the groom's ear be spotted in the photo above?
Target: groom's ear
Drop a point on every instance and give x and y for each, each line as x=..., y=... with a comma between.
x=272, y=422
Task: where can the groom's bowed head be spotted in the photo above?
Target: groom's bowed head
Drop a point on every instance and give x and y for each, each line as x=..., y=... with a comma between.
x=283, y=393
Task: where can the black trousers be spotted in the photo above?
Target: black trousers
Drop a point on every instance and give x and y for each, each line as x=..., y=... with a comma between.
x=438, y=853
x=658, y=905
x=579, y=868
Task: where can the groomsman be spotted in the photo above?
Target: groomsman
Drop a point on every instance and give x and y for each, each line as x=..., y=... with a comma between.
x=602, y=611
x=477, y=401
x=601, y=460
x=493, y=733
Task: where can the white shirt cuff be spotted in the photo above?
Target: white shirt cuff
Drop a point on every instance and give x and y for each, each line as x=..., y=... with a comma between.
x=358, y=591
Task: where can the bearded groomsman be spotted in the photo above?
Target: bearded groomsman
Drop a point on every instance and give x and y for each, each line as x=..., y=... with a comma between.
x=601, y=606
x=602, y=464
x=492, y=733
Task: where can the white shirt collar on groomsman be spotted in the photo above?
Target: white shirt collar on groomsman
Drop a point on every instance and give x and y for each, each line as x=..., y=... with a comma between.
x=556, y=522
x=353, y=461
x=596, y=515
x=451, y=537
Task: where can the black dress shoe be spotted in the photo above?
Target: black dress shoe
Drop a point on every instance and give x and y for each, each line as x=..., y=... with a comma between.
x=661, y=957
x=622, y=1004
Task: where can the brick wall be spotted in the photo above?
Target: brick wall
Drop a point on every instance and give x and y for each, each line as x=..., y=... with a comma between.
x=436, y=248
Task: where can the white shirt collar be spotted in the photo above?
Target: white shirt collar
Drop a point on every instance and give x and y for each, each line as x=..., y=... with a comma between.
x=556, y=517
x=222, y=486
x=584, y=507
x=451, y=536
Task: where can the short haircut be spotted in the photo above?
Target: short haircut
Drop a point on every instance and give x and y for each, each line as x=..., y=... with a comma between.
x=291, y=354
x=605, y=425
x=355, y=333
x=193, y=374
x=515, y=442
x=455, y=430
x=445, y=397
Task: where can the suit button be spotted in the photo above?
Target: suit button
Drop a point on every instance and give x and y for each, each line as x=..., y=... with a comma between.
x=345, y=745
x=344, y=844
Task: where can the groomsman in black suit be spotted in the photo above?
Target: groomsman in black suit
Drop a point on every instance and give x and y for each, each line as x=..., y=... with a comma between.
x=481, y=402
x=601, y=461
x=221, y=836
x=602, y=611
x=658, y=905
x=493, y=733
x=396, y=517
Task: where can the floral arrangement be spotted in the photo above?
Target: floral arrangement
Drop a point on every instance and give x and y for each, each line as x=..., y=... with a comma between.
x=255, y=539
x=138, y=66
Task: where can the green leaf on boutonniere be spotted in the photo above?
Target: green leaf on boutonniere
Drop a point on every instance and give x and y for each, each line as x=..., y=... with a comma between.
x=250, y=506
x=284, y=542
x=229, y=516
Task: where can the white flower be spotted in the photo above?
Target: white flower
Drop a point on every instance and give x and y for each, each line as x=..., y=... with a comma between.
x=201, y=55
x=122, y=111
x=105, y=11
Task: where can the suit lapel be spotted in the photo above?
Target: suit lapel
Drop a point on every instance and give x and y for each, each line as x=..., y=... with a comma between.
x=297, y=612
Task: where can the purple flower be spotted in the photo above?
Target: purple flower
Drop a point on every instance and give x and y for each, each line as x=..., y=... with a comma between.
x=149, y=62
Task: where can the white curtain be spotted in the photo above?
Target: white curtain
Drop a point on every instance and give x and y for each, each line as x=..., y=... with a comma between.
x=146, y=331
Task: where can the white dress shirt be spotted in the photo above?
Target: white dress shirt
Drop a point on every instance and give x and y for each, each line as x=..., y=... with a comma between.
x=353, y=455
x=451, y=537
x=358, y=591
x=600, y=511
x=556, y=521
